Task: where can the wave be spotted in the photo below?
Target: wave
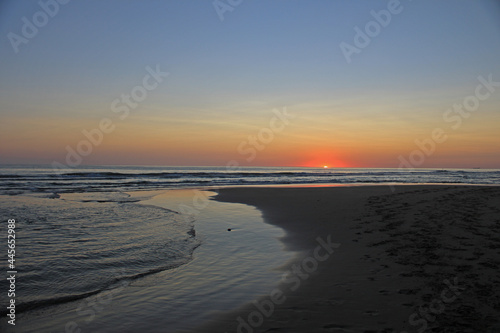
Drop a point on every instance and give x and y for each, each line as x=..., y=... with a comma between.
x=185, y=174
x=81, y=181
x=110, y=286
x=81, y=176
x=235, y=174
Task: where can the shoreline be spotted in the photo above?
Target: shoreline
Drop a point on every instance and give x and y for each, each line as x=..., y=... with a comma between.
x=182, y=296
x=395, y=255
x=345, y=259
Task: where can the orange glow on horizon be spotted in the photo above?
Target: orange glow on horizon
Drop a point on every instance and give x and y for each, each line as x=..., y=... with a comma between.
x=325, y=163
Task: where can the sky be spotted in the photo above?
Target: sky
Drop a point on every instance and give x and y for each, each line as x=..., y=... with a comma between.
x=250, y=82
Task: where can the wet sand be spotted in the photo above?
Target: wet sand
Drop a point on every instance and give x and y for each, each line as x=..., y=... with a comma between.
x=378, y=259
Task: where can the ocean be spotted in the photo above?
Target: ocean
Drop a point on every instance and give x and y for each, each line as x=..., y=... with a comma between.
x=46, y=180
x=101, y=249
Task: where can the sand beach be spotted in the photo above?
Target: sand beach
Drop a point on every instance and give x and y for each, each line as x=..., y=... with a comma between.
x=422, y=258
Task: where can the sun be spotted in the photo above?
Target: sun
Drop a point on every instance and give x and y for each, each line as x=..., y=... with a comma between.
x=323, y=160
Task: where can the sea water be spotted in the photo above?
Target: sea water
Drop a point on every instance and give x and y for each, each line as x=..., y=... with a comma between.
x=124, y=262
x=52, y=182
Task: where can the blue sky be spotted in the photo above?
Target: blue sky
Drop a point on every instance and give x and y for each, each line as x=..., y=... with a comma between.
x=265, y=54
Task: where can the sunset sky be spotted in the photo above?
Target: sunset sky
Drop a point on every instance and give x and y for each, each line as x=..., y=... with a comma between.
x=229, y=78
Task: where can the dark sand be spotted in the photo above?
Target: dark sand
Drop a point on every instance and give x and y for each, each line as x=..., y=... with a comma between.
x=421, y=258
